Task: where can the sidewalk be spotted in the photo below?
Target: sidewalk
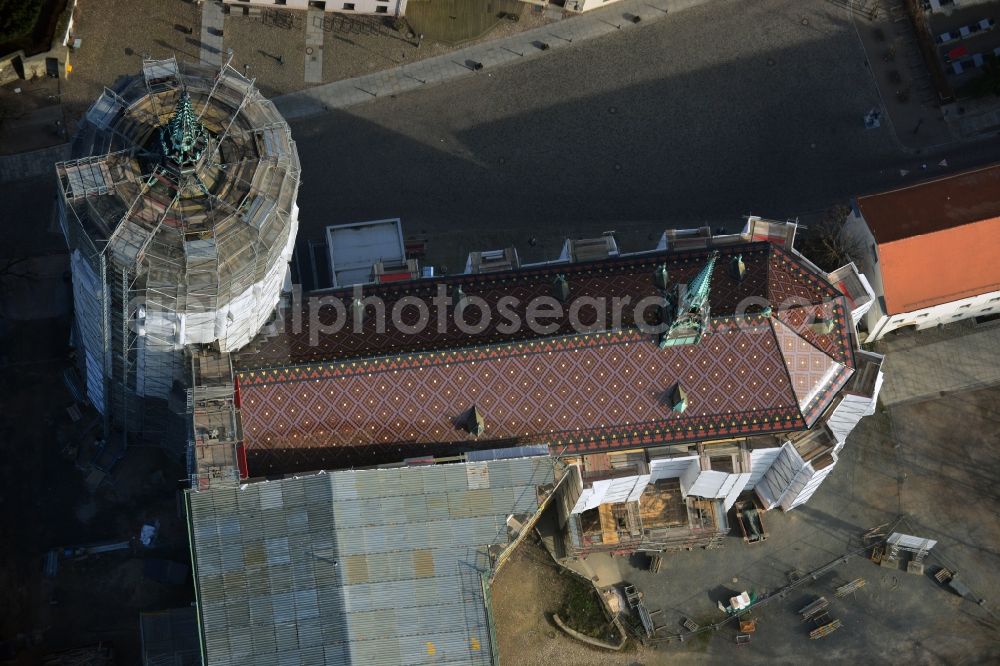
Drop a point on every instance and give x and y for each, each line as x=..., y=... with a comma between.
x=35, y=163
x=974, y=118
x=925, y=364
x=900, y=73
x=463, y=62
x=212, y=21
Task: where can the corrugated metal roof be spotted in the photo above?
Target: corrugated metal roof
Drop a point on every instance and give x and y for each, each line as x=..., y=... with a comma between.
x=356, y=567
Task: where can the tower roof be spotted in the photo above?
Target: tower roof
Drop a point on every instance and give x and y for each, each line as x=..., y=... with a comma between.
x=185, y=177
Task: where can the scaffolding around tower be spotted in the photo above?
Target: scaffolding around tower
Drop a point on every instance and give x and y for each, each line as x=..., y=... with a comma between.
x=179, y=210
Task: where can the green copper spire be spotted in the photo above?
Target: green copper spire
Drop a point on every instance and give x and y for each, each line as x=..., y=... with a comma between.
x=692, y=317
x=183, y=138
x=697, y=294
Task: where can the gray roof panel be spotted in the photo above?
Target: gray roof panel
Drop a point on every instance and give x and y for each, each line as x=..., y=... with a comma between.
x=356, y=567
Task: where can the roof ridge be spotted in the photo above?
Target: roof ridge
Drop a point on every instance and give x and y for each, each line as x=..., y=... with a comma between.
x=788, y=373
x=571, y=267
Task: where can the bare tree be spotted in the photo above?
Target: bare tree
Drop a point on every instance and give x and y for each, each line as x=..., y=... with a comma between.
x=827, y=245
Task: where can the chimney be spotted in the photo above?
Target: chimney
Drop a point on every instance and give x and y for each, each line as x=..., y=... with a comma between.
x=358, y=311
x=678, y=398
x=661, y=278
x=474, y=422
x=560, y=288
x=458, y=299
x=821, y=325
x=738, y=268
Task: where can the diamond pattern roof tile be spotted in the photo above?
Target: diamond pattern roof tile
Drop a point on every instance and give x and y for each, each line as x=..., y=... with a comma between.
x=586, y=392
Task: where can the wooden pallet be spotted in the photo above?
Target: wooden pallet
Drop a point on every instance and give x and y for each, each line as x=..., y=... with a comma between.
x=825, y=630
x=850, y=588
x=943, y=575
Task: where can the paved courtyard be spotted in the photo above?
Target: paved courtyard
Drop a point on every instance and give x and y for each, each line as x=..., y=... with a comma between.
x=115, y=38
x=926, y=364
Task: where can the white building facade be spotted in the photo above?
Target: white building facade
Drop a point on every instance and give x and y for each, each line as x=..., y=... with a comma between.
x=372, y=7
x=929, y=252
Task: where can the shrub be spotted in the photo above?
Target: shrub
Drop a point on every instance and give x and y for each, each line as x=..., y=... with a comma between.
x=18, y=17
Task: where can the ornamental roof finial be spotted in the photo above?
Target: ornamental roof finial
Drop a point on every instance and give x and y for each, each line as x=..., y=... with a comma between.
x=183, y=138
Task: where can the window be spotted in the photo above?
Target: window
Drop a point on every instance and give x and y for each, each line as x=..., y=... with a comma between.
x=921, y=316
x=956, y=316
x=381, y=9
x=349, y=6
x=994, y=300
x=280, y=2
x=967, y=305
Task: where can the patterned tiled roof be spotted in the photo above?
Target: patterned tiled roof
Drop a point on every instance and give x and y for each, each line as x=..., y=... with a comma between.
x=773, y=275
x=583, y=392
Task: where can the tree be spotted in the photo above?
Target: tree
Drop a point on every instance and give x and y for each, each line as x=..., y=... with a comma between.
x=987, y=83
x=825, y=242
x=18, y=17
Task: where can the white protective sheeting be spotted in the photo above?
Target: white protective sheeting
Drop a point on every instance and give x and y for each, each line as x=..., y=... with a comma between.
x=199, y=327
x=354, y=248
x=104, y=110
x=611, y=491
x=690, y=477
x=862, y=308
x=155, y=70
x=790, y=481
x=88, y=293
x=910, y=542
x=236, y=324
x=848, y=413
x=711, y=484
x=739, y=482
x=670, y=468
x=779, y=476
x=806, y=483
x=760, y=461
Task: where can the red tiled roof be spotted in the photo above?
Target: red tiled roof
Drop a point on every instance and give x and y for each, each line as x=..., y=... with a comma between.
x=585, y=392
x=773, y=276
x=941, y=267
x=951, y=224
x=935, y=205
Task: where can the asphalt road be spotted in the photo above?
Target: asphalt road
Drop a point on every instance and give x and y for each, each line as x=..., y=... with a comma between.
x=712, y=113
